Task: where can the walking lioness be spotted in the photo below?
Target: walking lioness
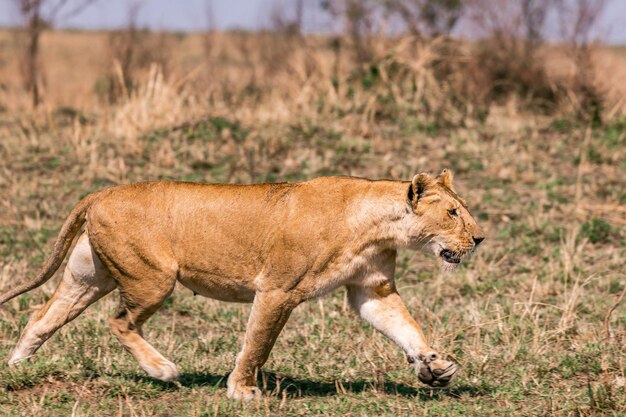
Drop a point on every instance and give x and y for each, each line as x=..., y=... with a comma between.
x=274, y=245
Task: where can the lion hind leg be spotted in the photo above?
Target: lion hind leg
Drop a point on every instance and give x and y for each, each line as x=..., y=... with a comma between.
x=126, y=326
x=85, y=281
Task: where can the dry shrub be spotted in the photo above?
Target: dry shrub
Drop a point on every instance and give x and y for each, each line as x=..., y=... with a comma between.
x=154, y=103
x=358, y=21
x=417, y=78
x=586, y=94
x=270, y=77
x=505, y=69
x=578, y=21
x=506, y=61
x=132, y=51
x=274, y=76
x=513, y=60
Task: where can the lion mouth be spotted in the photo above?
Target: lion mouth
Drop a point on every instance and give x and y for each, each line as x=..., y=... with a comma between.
x=450, y=257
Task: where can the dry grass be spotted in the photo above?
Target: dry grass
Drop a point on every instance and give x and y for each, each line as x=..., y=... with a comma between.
x=445, y=82
x=524, y=317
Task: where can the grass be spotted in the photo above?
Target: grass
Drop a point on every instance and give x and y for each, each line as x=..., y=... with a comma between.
x=524, y=316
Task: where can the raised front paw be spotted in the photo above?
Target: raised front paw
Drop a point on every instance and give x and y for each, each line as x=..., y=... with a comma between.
x=240, y=391
x=435, y=371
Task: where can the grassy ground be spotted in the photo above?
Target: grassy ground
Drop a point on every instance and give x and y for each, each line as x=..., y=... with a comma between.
x=524, y=316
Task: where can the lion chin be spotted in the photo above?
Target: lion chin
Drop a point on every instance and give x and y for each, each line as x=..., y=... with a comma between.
x=448, y=266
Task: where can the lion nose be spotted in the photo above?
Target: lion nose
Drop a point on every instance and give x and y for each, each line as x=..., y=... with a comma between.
x=477, y=240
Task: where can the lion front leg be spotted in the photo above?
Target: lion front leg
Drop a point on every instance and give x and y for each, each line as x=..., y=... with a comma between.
x=381, y=306
x=270, y=311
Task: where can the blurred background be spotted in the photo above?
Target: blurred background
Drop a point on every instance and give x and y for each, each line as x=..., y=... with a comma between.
x=451, y=60
x=525, y=100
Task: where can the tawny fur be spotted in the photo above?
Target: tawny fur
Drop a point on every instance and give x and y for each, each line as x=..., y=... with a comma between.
x=275, y=245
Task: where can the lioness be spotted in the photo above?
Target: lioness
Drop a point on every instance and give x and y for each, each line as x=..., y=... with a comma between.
x=274, y=245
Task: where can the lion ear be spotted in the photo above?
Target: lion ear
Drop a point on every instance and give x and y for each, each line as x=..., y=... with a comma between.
x=445, y=178
x=418, y=185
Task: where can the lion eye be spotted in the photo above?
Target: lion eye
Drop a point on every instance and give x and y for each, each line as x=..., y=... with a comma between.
x=453, y=212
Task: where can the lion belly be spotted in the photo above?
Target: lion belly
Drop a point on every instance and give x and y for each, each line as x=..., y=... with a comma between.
x=217, y=287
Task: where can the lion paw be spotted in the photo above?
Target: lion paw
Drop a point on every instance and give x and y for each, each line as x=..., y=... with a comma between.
x=238, y=391
x=163, y=370
x=435, y=371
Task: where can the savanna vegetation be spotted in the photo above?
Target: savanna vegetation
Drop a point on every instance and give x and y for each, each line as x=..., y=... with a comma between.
x=535, y=133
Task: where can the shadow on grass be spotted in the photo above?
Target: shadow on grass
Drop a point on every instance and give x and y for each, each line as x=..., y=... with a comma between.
x=276, y=384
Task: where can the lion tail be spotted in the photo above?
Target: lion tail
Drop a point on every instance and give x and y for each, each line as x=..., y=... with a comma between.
x=63, y=243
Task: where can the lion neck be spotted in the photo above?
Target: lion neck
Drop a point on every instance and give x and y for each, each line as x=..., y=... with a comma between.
x=383, y=217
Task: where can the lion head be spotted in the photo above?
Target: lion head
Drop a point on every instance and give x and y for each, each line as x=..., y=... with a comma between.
x=442, y=222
